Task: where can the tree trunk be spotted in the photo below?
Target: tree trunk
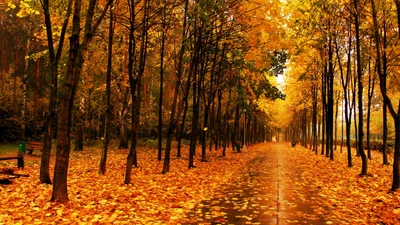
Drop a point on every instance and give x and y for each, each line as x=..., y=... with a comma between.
x=77, y=52
x=314, y=121
x=235, y=132
x=397, y=2
x=364, y=166
x=371, y=86
x=219, y=122
x=79, y=132
x=60, y=192
x=136, y=84
x=385, y=134
x=324, y=127
x=330, y=84
x=396, y=160
x=395, y=116
x=107, y=119
x=160, y=103
x=226, y=129
x=336, y=119
x=23, y=108
x=172, y=122
x=196, y=93
x=123, y=129
x=383, y=80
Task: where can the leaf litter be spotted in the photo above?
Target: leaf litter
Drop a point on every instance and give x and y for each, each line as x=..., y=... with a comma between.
x=154, y=198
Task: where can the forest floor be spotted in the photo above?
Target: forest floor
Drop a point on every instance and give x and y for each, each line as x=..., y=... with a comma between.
x=270, y=183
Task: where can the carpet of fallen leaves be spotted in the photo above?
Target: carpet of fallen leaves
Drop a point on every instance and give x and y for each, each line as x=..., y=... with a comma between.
x=154, y=198
x=353, y=199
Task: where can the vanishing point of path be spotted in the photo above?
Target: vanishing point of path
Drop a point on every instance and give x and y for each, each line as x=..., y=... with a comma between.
x=270, y=190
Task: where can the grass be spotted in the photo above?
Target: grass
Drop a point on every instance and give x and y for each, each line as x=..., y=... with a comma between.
x=8, y=148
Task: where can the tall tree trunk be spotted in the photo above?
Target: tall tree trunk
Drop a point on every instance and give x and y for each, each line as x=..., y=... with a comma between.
x=226, y=125
x=60, y=192
x=173, y=123
x=124, y=139
x=76, y=57
x=160, y=103
x=3, y=67
x=107, y=119
x=196, y=93
x=384, y=67
x=35, y=101
x=371, y=86
x=336, y=119
x=330, y=82
x=79, y=127
x=342, y=139
x=324, y=127
x=219, y=122
x=319, y=133
x=124, y=106
x=235, y=138
x=396, y=116
x=136, y=84
x=364, y=166
x=183, y=108
x=397, y=2
x=54, y=59
x=385, y=134
x=23, y=87
x=314, y=116
x=210, y=100
x=354, y=108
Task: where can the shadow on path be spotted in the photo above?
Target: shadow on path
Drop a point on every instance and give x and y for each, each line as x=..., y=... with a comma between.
x=270, y=190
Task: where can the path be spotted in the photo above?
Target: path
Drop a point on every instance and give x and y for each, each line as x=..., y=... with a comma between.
x=269, y=191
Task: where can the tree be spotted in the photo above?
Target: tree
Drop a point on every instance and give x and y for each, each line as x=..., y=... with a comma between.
x=107, y=121
x=77, y=52
x=364, y=166
x=54, y=60
x=173, y=121
x=395, y=115
x=135, y=79
x=347, y=105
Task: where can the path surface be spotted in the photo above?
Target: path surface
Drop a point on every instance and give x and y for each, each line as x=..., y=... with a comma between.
x=270, y=190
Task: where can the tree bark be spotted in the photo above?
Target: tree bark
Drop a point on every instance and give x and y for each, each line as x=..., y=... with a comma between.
x=364, y=166
x=136, y=83
x=80, y=124
x=107, y=119
x=60, y=192
x=371, y=86
x=172, y=122
x=77, y=52
x=54, y=59
x=396, y=116
x=329, y=119
x=324, y=128
x=226, y=125
x=160, y=103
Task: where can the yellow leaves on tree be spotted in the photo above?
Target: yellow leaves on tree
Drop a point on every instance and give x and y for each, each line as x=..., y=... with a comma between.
x=26, y=9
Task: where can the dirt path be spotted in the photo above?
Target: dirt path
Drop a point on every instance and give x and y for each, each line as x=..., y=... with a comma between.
x=270, y=190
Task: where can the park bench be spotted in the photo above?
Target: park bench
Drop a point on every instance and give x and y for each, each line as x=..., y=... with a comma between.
x=34, y=146
x=19, y=158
